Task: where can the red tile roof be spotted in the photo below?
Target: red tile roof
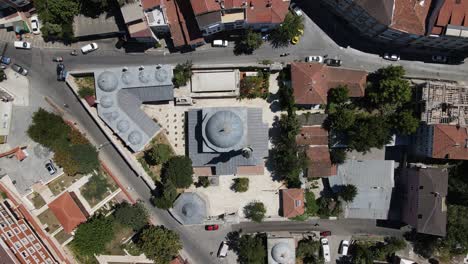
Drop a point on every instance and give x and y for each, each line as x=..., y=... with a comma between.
x=410, y=16
x=67, y=212
x=293, y=202
x=182, y=23
x=251, y=170
x=148, y=4
x=311, y=81
x=266, y=11
x=319, y=162
x=453, y=12
x=91, y=100
x=450, y=142
x=204, y=6
x=312, y=136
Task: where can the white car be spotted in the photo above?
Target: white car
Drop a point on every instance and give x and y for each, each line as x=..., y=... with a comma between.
x=326, y=249
x=223, y=250
x=22, y=45
x=344, y=247
x=296, y=9
x=90, y=47
x=318, y=59
x=439, y=58
x=391, y=57
x=220, y=43
x=35, y=25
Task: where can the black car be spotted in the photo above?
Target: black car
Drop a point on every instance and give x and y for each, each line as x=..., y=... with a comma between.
x=332, y=62
x=60, y=71
x=19, y=69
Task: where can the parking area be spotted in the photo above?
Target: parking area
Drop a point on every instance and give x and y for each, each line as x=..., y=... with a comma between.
x=335, y=243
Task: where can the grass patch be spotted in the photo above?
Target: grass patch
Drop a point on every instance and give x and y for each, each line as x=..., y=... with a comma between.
x=85, y=86
x=37, y=200
x=63, y=182
x=115, y=247
x=99, y=186
x=62, y=236
x=48, y=218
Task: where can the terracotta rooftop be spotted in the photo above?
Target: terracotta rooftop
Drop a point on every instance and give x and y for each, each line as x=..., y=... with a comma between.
x=319, y=162
x=293, y=202
x=410, y=16
x=67, y=212
x=251, y=170
x=453, y=12
x=311, y=82
x=149, y=4
x=206, y=6
x=312, y=136
x=266, y=11
x=182, y=23
x=450, y=142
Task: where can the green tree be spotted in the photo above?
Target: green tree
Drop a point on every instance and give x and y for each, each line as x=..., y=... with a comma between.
x=84, y=92
x=404, y=122
x=182, y=73
x=308, y=251
x=282, y=35
x=158, y=154
x=252, y=250
x=361, y=254
x=51, y=31
x=91, y=237
x=342, y=119
x=179, y=171
x=347, y=192
x=369, y=132
x=338, y=155
x=255, y=211
x=311, y=206
x=86, y=156
x=456, y=240
x=165, y=198
x=248, y=42
x=134, y=216
x=48, y=129
x=240, y=184
x=65, y=160
x=159, y=243
x=458, y=184
x=338, y=95
x=203, y=181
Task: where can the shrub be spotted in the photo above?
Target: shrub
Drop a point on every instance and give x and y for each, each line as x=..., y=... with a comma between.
x=203, y=181
x=159, y=243
x=166, y=197
x=133, y=216
x=91, y=237
x=240, y=184
x=179, y=171
x=158, y=154
x=255, y=211
x=85, y=92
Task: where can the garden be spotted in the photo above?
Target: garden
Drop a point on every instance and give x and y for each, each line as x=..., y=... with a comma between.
x=85, y=86
x=254, y=85
x=157, y=153
x=99, y=186
x=48, y=218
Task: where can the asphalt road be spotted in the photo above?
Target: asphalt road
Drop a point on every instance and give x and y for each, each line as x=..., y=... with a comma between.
x=198, y=244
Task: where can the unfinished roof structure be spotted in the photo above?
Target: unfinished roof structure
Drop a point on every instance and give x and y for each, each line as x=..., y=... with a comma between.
x=226, y=139
x=120, y=93
x=444, y=103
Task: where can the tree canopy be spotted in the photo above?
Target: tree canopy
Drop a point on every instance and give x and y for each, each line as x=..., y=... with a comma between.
x=159, y=243
x=404, y=122
x=166, y=197
x=240, y=184
x=369, y=132
x=91, y=237
x=282, y=35
x=251, y=250
x=248, y=42
x=308, y=251
x=158, y=154
x=57, y=18
x=255, y=211
x=134, y=216
x=338, y=95
x=182, y=73
x=179, y=171
x=347, y=192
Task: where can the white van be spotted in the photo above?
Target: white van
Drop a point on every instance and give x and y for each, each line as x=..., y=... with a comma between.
x=220, y=43
x=223, y=250
x=344, y=247
x=22, y=45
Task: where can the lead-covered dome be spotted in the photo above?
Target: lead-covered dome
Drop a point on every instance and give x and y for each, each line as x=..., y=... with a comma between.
x=106, y=101
x=161, y=75
x=123, y=126
x=281, y=253
x=134, y=137
x=107, y=81
x=224, y=129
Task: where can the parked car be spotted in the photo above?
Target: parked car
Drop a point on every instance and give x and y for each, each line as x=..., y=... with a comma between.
x=325, y=233
x=326, y=249
x=439, y=58
x=57, y=59
x=344, y=247
x=17, y=68
x=296, y=10
x=60, y=72
x=88, y=48
x=223, y=250
x=5, y=60
x=211, y=227
x=35, y=25
x=220, y=43
x=318, y=59
x=391, y=57
x=22, y=45
x=50, y=167
x=332, y=62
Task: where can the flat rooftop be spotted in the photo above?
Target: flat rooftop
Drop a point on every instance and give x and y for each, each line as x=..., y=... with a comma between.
x=206, y=81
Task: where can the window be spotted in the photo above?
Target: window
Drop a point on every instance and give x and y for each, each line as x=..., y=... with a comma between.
x=297, y=203
x=419, y=216
x=37, y=246
x=31, y=250
x=24, y=240
x=48, y=261
x=9, y=234
x=24, y=253
x=17, y=231
x=31, y=237
x=23, y=227
x=421, y=187
x=18, y=245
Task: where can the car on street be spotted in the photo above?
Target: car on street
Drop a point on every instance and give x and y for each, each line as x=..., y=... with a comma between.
x=22, y=45
x=391, y=57
x=211, y=227
x=439, y=58
x=332, y=62
x=223, y=250
x=318, y=59
x=60, y=72
x=5, y=60
x=325, y=233
x=35, y=25
x=50, y=167
x=220, y=43
x=19, y=69
x=326, y=249
x=344, y=247
x=296, y=38
x=90, y=47
x=296, y=10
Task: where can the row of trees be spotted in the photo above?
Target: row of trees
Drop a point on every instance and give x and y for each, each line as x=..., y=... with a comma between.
x=366, y=253
x=72, y=151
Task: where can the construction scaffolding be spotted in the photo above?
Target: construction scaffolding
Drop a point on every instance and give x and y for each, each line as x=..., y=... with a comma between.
x=444, y=103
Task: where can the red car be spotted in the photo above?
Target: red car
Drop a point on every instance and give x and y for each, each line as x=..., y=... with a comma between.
x=325, y=233
x=211, y=227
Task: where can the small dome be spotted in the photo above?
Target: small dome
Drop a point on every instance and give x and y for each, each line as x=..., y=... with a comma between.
x=134, y=137
x=106, y=101
x=224, y=129
x=127, y=77
x=123, y=126
x=281, y=253
x=161, y=75
x=107, y=81
x=143, y=76
x=111, y=116
x=189, y=209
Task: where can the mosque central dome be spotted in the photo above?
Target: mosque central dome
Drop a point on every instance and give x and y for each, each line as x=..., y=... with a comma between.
x=224, y=129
